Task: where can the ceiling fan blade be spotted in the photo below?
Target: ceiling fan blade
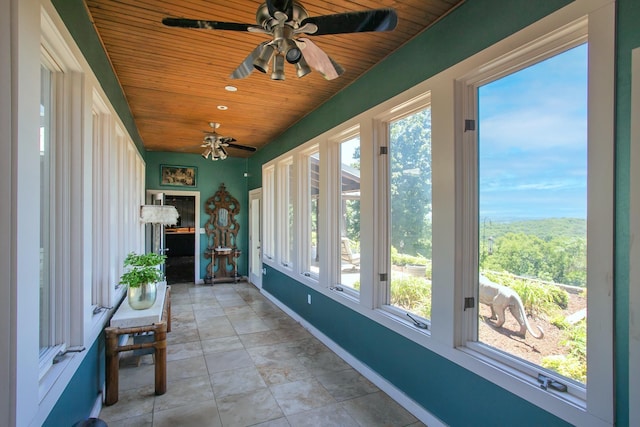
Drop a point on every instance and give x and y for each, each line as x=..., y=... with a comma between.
x=246, y=67
x=242, y=147
x=318, y=60
x=282, y=6
x=354, y=22
x=209, y=25
x=225, y=139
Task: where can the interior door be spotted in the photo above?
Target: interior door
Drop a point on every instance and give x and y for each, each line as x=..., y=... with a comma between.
x=192, y=228
x=255, y=237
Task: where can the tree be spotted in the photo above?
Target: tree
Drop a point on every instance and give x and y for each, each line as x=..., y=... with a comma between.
x=410, y=183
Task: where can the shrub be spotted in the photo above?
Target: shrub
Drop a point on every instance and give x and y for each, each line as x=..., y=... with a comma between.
x=412, y=294
x=574, y=364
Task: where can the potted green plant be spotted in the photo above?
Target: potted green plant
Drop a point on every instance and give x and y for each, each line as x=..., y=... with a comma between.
x=143, y=273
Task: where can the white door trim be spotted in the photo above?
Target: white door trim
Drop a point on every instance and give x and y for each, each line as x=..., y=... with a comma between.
x=255, y=239
x=199, y=228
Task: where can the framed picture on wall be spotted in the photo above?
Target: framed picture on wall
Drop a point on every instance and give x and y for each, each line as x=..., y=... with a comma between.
x=182, y=176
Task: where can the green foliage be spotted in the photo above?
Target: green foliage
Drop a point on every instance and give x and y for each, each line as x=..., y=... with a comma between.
x=412, y=294
x=410, y=183
x=405, y=259
x=574, y=364
x=537, y=298
x=560, y=259
x=142, y=269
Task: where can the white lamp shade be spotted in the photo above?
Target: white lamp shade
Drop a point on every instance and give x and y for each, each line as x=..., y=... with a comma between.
x=159, y=214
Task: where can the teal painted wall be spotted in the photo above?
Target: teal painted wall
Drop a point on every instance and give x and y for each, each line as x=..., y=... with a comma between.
x=210, y=175
x=78, y=398
x=628, y=38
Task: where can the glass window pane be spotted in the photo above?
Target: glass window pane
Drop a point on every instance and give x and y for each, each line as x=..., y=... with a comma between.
x=45, y=211
x=411, y=207
x=313, y=195
x=532, y=153
x=269, y=214
x=350, y=213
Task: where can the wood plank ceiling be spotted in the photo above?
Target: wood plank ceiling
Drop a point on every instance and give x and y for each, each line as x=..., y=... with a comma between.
x=174, y=79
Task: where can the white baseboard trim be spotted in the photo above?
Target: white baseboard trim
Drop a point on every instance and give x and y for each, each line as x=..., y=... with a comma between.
x=97, y=406
x=396, y=394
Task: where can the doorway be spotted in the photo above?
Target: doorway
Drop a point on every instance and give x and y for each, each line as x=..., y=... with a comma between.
x=181, y=241
x=255, y=237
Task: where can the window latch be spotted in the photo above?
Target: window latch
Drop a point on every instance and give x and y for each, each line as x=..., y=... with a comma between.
x=58, y=357
x=418, y=323
x=546, y=383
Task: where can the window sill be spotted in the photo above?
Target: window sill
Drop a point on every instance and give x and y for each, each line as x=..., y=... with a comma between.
x=564, y=405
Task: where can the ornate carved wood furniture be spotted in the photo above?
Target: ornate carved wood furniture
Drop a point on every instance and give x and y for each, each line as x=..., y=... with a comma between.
x=222, y=231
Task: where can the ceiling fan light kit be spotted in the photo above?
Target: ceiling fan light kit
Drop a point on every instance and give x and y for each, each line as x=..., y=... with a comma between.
x=216, y=145
x=285, y=21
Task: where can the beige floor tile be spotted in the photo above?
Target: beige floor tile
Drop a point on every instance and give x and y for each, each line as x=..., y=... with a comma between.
x=347, y=384
x=247, y=409
x=327, y=416
x=221, y=345
x=186, y=350
x=236, y=381
x=301, y=396
x=186, y=368
x=184, y=392
x=193, y=415
x=283, y=371
x=324, y=362
x=131, y=404
x=226, y=361
x=280, y=422
x=377, y=410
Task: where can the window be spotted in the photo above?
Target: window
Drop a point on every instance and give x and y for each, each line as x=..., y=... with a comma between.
x=532, y=162
x=349, y=239
x=311, y=213
x=409, y=217
x=269, y=217
x=536, y=181
x=286, y=202
x=46, y=184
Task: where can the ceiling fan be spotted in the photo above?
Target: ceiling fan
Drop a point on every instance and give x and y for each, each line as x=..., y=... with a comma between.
x=216, y=145
x=286, y=21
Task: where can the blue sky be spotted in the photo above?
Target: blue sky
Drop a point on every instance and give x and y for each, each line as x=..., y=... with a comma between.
x=533, y=133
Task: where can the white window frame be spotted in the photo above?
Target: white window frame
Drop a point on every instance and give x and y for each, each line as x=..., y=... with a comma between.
x=304, y=210
x=286, y=196
x=381, y=123
x=269, y=213
x=597, y=403
x=335, y=193
x=66, y=145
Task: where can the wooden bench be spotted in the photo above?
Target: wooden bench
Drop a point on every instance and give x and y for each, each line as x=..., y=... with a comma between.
x=157, y=320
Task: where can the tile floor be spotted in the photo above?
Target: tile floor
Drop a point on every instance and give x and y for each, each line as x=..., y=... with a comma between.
x=235, y=359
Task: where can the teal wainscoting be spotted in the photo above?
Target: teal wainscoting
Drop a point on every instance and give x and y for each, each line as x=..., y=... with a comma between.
x=78, y=398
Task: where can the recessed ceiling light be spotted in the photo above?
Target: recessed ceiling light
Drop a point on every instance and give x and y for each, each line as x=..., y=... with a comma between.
x=231, y=88
x=222, y=107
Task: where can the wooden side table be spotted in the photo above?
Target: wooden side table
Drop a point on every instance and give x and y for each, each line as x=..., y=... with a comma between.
x=156, y=319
